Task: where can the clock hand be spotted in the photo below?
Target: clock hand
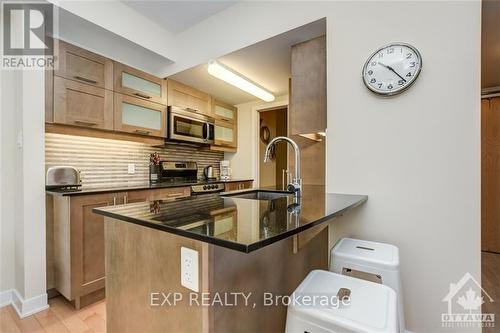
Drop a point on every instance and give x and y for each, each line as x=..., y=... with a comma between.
x=392, y=70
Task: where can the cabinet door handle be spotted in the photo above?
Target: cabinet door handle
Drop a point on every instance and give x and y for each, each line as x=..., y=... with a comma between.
x=192, y=110
x=125, y=199
x=142, y=132
x=142, y=95
x=84, y=79
x=114, y=201
x=85, y=123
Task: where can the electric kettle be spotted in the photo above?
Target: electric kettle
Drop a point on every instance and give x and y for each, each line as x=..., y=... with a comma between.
x=208, y=172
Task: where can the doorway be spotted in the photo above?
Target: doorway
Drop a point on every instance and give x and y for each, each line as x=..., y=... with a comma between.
x=490, y=159
x=273, y=123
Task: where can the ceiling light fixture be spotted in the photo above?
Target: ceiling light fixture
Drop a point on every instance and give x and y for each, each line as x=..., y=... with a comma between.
x=225, y=74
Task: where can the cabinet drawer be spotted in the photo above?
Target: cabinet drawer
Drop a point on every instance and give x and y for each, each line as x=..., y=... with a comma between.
x=82, y=105
x=237, y=186
x=133, y=82
x=225, y=134
x=83, y=66
x=158, y=194
x=188, y=98
x=137, y=116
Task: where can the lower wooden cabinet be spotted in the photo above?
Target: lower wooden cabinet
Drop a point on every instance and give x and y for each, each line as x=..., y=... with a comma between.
x=237, y=186
x=78, y=240
x=159, y=194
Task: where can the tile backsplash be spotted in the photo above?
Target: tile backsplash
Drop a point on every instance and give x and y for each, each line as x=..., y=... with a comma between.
x=104, y=162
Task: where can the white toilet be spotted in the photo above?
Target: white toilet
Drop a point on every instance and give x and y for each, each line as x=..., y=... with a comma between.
x=376, y=262
x=372, y=307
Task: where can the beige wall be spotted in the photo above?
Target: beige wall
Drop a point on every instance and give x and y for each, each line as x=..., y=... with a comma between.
x=416, y=155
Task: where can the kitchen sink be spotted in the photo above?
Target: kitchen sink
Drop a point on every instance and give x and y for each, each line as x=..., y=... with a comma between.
x=258, y=194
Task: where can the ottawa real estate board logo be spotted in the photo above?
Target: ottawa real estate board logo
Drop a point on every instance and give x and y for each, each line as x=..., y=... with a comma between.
x=465, y=300
x=27, y=28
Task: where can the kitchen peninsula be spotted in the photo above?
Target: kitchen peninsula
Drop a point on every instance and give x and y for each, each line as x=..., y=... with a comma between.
x=250, y=241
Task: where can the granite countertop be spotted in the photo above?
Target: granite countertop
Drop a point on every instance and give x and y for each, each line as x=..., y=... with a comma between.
x=144, y=186
x=237, y=223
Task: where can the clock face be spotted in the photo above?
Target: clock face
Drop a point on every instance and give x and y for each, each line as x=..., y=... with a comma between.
x=392, y=69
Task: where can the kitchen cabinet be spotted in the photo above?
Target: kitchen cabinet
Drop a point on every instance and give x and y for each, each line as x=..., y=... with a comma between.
x=158, y=194
x=133, y=82
x=224, y=112
x=226, y=126
x=225, y=134
x=138, y=116
x=237, y=186
x=308, y=87
x=188, y=98
x=81, y=104
x=76, y=64
x=78, y=240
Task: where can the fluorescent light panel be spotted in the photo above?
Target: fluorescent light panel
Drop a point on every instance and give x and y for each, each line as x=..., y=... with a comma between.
x=225, y=74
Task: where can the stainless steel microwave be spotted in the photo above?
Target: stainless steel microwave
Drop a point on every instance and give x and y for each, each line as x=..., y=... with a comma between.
x=189, y=126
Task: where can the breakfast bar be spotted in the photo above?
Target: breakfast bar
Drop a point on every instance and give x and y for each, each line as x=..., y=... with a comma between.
x=249, y=244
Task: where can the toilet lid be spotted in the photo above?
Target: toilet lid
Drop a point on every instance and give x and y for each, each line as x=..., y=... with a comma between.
x=372, y=307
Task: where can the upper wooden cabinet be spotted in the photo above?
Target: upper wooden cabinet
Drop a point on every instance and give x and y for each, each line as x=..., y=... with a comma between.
x=225, y=134
x=133, y=82
x=138, y=116
x=224, y=112
x=188, y=98
x=81, y=104
x=83, y=66
x=308, y=87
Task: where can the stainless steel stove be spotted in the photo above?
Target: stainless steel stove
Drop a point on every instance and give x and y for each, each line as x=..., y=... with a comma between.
x=187, y=172
x=209, y=187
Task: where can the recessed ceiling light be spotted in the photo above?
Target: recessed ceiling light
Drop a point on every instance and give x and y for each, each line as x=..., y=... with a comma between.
x=225, y=74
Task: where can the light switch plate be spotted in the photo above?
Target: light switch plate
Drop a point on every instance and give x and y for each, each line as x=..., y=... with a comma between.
x=189, y=269
x=131, y=168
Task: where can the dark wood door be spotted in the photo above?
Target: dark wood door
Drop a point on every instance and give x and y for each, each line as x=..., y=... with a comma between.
x=490, y=175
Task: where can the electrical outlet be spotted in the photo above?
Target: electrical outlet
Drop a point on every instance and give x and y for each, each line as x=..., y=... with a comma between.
x=189, y=268
x=131, y=168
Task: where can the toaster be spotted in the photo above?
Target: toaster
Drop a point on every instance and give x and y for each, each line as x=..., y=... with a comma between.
x=62, y=176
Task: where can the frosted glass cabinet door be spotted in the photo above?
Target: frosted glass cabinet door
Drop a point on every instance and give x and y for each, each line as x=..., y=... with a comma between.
x=133, y=82
x=137, y=116
x=224, y=111
x=225, y=134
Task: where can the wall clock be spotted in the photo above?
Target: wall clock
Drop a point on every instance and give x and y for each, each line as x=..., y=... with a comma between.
x=392, y=69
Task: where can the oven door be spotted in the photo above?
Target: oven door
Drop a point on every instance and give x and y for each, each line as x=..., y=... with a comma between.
x=190, y=127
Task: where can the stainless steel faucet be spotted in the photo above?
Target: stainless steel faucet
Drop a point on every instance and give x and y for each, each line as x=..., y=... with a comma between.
x=296, y=184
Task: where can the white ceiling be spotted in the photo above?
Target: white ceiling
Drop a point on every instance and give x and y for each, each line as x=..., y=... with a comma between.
x=490, y=44
x=267, y=63
x=177, y=16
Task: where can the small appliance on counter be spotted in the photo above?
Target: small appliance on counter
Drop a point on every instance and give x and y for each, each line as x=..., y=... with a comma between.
x=208, y=173
x=63, y=178
x=225, y=170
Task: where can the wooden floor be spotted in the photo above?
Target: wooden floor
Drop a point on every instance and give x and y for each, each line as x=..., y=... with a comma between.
x=61, y=317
